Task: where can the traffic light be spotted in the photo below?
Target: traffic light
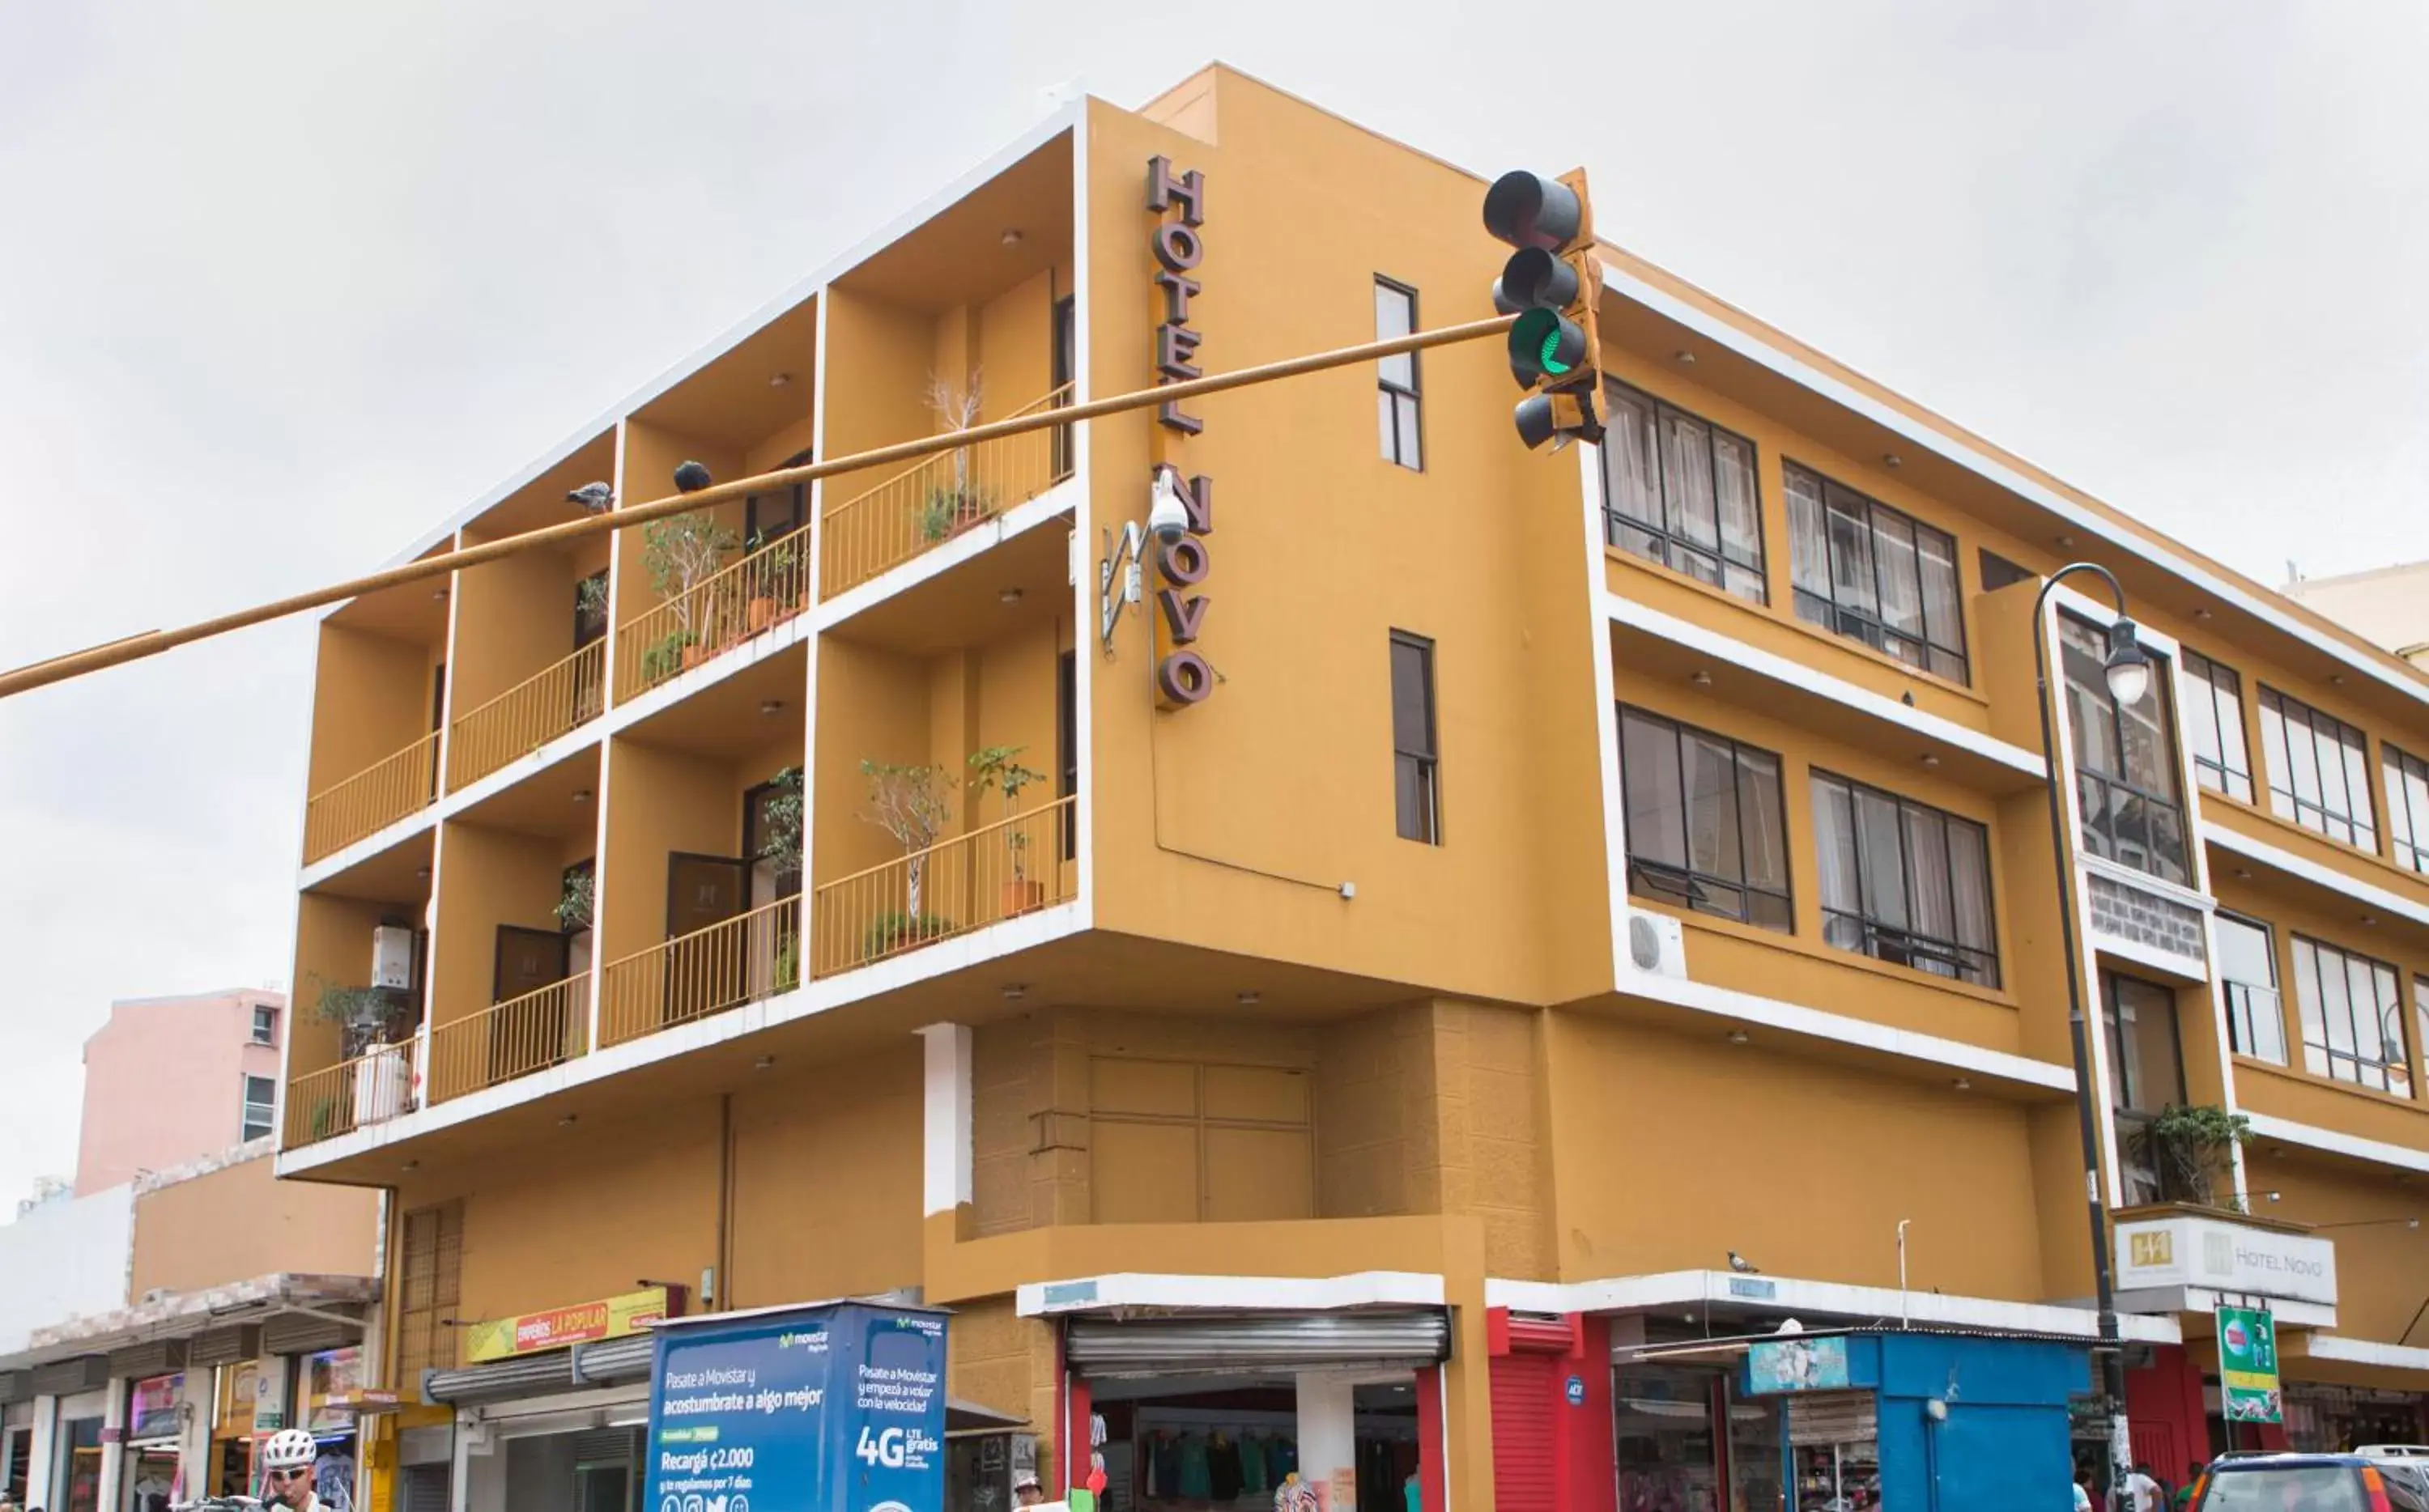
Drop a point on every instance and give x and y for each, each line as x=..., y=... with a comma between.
x=1553, y=284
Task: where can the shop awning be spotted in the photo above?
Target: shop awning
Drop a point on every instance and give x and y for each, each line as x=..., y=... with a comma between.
x=1218, y=1343
x=304, y=1306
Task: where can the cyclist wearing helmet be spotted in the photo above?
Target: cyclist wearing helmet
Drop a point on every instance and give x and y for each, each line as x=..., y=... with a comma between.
x=286, y=1464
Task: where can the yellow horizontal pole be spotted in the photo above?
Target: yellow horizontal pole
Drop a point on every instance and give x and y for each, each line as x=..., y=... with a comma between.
x=152, y=643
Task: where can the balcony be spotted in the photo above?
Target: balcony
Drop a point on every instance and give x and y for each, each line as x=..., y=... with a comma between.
x=1009, y=869
x=512, y=1039
x=528, y=715
x=762, y=590
x=925, y=505
x=741, y=959
x=373, y=1087
x=371, y=799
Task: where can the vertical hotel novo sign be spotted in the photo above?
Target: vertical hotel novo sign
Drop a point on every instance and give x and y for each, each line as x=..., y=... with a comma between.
x=1178, y=201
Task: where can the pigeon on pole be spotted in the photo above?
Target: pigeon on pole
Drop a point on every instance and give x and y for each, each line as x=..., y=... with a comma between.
x=595, y=498
x=691, y=478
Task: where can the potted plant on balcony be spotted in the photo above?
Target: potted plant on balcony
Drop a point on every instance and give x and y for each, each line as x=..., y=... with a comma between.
x=913, y=803
x=775, y=582
x=679, y=554
x=573, y=907
x=2190, y=1149
x=782, y=818
x=372, y=1022
x=998, y=767
x=953, y=506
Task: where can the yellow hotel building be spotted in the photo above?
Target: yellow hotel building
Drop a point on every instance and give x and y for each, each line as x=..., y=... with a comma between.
x=1510, y=925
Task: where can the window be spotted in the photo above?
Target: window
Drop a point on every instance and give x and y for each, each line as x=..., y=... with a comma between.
x=2209, y=699
x=774, y=515
x=265, y=1024
x=1998, y=572
x=2125, y=760
x=1680, y=492
x=1395, y=377
x=2408, y=806
x=1903, y=883
x=1067, y=736
x=1062, y=365
x=1867, y=572
x=2146, y=1065
x=2318, y=770
x=2353, y=1018
x=429, y=1286
x=1415, y=774
x=260, y=1106
x=2247, y=967
x=1705, y=829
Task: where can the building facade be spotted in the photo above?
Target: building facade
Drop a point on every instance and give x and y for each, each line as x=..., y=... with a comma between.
x=169, y=1080
x=2383, y=604
x=1418, y=998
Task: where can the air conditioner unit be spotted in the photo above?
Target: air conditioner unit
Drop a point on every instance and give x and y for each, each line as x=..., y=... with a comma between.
x=392, y=955
x=1656, y=944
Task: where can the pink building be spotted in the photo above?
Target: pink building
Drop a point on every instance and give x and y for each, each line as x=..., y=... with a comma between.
x=172, y=1079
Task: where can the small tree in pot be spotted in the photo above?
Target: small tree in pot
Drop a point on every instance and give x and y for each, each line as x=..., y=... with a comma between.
x=998, y=768
x=365, y=1016
x=953, y=507
x=679, y=554
x=2190, y=1149
x=912, y=804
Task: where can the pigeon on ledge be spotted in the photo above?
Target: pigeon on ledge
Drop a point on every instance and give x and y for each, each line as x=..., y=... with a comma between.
x=1742, y=1265
x=691, y=477
x=595, y=498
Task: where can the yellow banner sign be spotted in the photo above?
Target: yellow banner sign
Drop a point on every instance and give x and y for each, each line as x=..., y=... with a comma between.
x=584, y=1322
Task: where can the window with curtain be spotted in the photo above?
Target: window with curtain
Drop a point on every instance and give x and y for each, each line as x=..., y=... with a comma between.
x=2353, y=1018
x=2408, y=806
x=1705, y=823
x=2125, y=787
x=1681, y=491
x=1869, y=573
x=1395, y=377
x=1415, y=767
x=2209, y=699
x=2146, y=1062
x=2247, y=968
x=1903, y=883
x=2318, y=770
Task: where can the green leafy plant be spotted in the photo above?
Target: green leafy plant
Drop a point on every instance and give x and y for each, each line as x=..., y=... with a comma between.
x=365, y=1016
x=899, y=931
x=950, y=509
x=679, y=554
x=590, y=596
x=783, y=816
x=573, y=909
x=912, y=804
x=2191, y=1149
x=997, y=769
x=665, y=659
x=789, y=963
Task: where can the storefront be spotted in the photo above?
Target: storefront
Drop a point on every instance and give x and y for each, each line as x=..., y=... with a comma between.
x=152, y=1456
x=2328, y=1419
x=16, y=1440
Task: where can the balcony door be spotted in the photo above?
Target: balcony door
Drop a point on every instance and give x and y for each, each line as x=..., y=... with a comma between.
x=533, y=1035
x=704, y=973
x=2146, y=1074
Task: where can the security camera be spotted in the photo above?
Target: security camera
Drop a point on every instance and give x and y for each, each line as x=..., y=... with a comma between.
x=1167, y=518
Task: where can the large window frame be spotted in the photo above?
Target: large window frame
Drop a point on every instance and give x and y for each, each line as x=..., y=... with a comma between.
x=2128, y=791
x=2256, y=1010
x=2407, y=805
x=1400, y=397
x=2343, y=1041
x=1682, y=493
x=1417, y=756
x=257, y=1115
x=2209, y=700
x=1729, y=869
x=1858, y=911
x=1843, y=551
x=2305, y=785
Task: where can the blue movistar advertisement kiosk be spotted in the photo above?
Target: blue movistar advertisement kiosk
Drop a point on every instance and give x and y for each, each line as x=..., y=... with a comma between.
x=835, y=1407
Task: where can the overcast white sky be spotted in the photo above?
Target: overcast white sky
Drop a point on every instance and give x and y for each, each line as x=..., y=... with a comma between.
x=284, y=283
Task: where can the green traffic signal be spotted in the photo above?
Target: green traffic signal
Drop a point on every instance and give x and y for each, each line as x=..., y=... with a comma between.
x=1544, y=344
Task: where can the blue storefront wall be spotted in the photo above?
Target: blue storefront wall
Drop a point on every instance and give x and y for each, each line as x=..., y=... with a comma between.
x=2003, y=1444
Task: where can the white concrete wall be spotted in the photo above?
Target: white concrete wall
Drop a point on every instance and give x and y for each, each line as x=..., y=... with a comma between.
x=64, y=1261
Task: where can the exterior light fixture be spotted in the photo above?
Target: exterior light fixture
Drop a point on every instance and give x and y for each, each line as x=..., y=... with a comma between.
x=1009, y=597
x=1250, y=998
x=1012, y=236
x=1700, y=678
x=582, y=795
x=770, y=706
x=779, y=380
x=1892, y=460
x=1738, y=1037
x=2128, y=667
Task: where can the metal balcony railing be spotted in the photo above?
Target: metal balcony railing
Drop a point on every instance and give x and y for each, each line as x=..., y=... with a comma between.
x=766, y=588
x=938, y=498
x=371, y=799
x=511, y=1039
x=1011, y=867
x=373, y=1087
x=528, y=715
x=733, y=962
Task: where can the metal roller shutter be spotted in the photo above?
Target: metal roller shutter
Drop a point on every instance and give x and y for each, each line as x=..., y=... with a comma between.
x=16, y=1385
x=1832, y=1418
x=294, y=1334
x=615, y=1360
x=66, y=1377
x=532, y=1376
x=1522, y=1432
x=425, y=1488
x=1218, y=1344
x=225, y=1346
x=606, y=1446
x=139, y=1360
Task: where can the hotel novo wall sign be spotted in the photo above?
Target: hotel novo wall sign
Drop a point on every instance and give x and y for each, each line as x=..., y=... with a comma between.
x=1178, y=202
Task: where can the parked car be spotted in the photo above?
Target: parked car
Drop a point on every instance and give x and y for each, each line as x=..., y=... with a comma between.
x=2310, y=1483
x=2396, y=1452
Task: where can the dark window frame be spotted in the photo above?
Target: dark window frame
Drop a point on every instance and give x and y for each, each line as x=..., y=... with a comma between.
x=1396, y=395
x=1869, y=627
x=1903, y=945
x=788, y=881
x=2125, y=1095
x=264, y=1029
x=2321, y=1057
x=795, y=502
x=1684, y=886
x=2359, y=830
x=2243, y=1006
x=2224, y=712
x=1424, y=761
x=2407, y=824
x=2121, y=804
x=1665, y=544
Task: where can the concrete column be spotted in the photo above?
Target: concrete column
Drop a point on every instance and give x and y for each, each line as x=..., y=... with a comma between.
x=113, y=1456
x=41, y=1449
x=947, y=1149
x=1328, y=1439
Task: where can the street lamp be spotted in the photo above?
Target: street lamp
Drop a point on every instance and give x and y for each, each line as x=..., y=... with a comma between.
x=2127, y=670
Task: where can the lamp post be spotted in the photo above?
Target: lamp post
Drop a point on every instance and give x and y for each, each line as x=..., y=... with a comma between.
x=2127, y=669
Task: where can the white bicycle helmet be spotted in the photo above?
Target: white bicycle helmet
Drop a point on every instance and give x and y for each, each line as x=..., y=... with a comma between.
x=290, y=1449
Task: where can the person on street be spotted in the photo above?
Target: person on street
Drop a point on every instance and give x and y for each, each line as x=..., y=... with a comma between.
x=2147, y=1493
x=2082, y=1495
x=2184, y=1497
x=287, y=1465
x=1027, y=1492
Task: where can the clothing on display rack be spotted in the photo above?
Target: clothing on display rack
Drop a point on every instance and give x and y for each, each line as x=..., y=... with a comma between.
x=1214, y=1466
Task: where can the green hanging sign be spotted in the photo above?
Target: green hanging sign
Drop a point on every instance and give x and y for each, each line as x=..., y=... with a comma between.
x=2247, y=1365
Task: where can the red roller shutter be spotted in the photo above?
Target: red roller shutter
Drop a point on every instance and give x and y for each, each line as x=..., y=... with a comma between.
x=1523, y=1390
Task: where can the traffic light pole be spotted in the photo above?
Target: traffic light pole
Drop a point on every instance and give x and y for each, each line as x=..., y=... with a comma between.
x=153, y=642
